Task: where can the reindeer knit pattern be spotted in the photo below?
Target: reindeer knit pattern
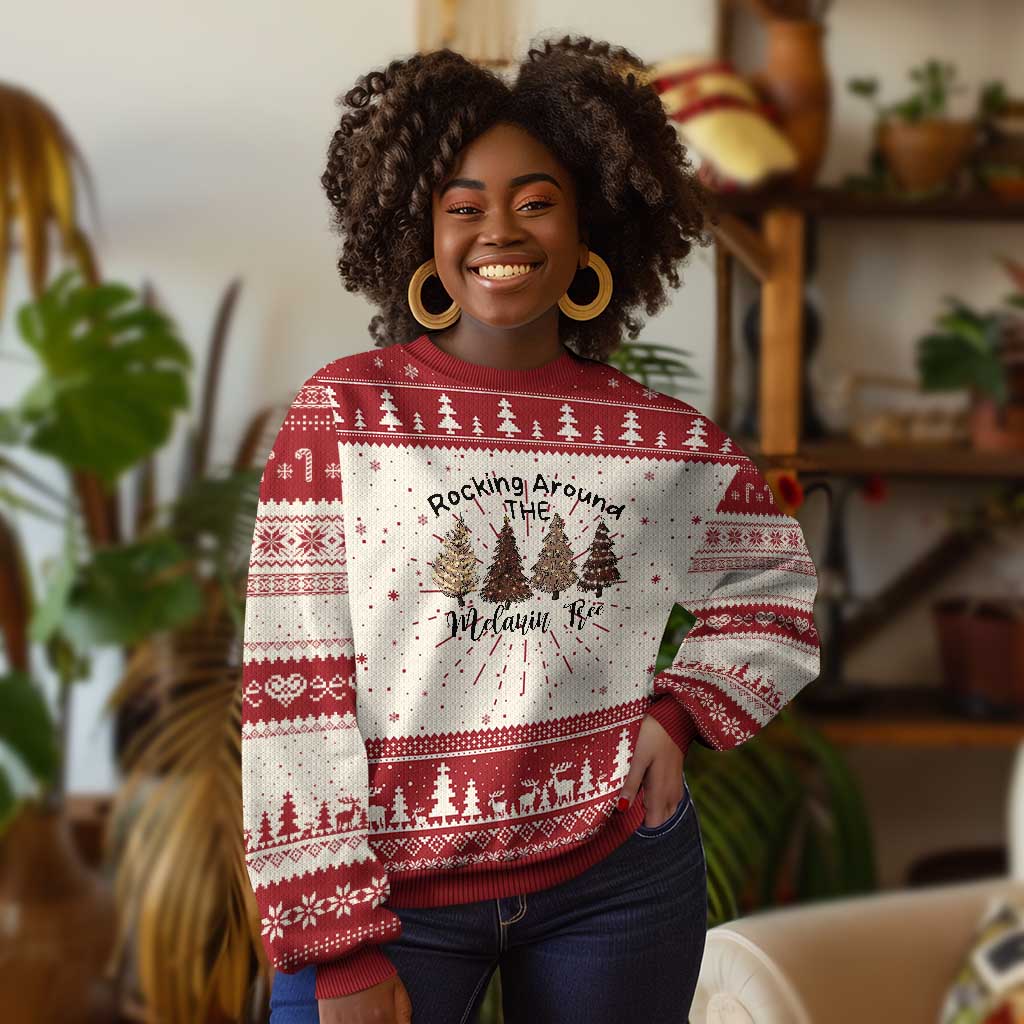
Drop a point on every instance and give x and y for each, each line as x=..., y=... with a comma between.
x=459, y=581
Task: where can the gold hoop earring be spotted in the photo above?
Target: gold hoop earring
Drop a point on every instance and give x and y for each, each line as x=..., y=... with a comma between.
x=433, y=321
x=600, y=301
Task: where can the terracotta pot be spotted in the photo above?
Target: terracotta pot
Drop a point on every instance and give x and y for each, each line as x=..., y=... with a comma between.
x=57, y=926
x=925, y=156
x=795, y=80
x=995, y=429
x=982, y=652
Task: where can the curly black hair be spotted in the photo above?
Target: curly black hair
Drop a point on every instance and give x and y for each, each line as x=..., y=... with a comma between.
x=588, y=101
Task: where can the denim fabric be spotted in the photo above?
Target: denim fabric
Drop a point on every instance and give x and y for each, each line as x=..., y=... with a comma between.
x=621, y=942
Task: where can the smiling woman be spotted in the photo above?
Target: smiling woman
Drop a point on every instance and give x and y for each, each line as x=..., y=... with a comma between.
x=457, y=754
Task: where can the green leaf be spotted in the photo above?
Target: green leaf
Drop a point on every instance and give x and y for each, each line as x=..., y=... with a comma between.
x=130, y=592
x=12, y=429
x=47, y=615
x=8, y=803
x=216, y=516
x=950, y=361
x=114, y=376
x=26, y=727
x=866, y=87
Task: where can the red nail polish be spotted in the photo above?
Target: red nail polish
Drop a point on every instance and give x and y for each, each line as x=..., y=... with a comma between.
x=622, y=804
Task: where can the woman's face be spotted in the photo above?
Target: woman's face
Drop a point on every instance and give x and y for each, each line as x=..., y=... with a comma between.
x=506, y=202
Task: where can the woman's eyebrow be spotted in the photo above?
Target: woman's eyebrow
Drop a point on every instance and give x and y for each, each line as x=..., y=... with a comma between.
x=522, y=179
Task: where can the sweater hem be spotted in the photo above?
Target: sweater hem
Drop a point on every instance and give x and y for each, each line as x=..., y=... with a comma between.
x=363, y=968
x=427, y=888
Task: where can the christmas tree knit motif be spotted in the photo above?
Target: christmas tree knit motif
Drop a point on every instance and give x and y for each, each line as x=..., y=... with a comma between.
x=600, y=570
x=506, y=582
x=553, y=571
x=455, y=568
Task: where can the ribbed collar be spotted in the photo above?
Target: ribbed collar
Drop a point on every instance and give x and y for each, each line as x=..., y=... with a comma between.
x=562, y=372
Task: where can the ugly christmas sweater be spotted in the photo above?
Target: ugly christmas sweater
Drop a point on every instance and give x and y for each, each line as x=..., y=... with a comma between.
x=459, y=581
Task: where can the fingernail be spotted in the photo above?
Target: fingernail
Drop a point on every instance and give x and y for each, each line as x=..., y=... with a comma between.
x=622, y=804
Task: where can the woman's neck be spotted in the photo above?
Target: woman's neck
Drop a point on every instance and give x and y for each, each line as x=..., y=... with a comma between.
x=512, y=348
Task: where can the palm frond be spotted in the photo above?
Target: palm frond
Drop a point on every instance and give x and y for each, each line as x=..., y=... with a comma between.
x=176, y=829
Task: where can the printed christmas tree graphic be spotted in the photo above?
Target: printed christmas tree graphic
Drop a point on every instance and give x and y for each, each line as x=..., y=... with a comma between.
x=695, y=439
x=390, y=418
x=443, y=796
x=447, y=421
x=399, y=813
x=568, y=421
x=455, y=568
x=507, y=426
x=630, y=428
x=553, y=571
x=506, y=580
x=600, y=570
x=289, y=823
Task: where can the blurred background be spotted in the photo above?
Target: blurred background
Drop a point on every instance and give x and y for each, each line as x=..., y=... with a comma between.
x=167, y=274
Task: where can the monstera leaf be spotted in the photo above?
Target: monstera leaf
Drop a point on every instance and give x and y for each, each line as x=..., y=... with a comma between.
x=113, y=376
x=124, y=594
x=27, y=732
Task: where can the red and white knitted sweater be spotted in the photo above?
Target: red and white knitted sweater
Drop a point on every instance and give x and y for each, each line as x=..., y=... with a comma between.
x=458, y=585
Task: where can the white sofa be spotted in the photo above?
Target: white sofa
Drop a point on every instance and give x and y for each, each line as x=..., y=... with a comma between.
x=886, y=958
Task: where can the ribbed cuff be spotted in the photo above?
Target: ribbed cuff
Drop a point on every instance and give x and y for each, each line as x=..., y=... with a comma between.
x=674, y=719
x=366, y=967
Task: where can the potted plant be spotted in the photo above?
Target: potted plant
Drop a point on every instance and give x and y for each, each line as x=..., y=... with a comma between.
x=922, y=146
x=983, y=352
x=999, y=162
x=981, y=637
x=108, y=387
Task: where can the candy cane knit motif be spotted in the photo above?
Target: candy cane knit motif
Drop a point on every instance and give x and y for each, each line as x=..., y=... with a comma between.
x=459, y=580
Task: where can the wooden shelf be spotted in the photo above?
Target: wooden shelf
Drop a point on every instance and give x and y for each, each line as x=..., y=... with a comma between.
x=840, y=202
x=839, y=457
x=912, y=716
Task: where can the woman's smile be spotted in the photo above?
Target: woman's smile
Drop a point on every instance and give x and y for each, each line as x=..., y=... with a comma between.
x=504, y=277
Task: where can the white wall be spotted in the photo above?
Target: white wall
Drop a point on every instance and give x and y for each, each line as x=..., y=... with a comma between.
x=206, y=125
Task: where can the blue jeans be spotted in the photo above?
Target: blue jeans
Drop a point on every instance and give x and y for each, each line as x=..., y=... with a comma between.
x=623, y=941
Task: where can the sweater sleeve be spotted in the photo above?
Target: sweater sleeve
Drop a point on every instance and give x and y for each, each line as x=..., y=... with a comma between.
x=751, y=583
x=318, y=883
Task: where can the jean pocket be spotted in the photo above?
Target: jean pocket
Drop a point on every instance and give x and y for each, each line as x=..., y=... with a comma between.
x=650, y=831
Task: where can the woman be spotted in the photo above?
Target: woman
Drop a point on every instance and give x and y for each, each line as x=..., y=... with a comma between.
x=461, y=571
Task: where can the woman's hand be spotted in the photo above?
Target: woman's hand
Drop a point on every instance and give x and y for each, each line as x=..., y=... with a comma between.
x=658, y=766
x=387, y=1002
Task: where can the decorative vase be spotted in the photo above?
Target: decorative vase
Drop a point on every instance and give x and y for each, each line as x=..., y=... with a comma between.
x=795, y=80
x=926, y=156
x=57, y=926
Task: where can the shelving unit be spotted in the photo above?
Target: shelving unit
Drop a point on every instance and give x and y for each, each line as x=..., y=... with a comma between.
x=844, y=458
x=765, y=232
x=914, y=716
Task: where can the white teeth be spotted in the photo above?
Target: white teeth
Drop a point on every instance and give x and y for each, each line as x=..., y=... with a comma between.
x=504, y=269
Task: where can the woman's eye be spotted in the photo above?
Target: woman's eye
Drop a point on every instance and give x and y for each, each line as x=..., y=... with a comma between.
x=472, y=209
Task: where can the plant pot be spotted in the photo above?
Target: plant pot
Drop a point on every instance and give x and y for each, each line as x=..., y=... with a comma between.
x=926, y=156
x=982, y=649
x=996, y=429
x=57, y=926
x=794, y=79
